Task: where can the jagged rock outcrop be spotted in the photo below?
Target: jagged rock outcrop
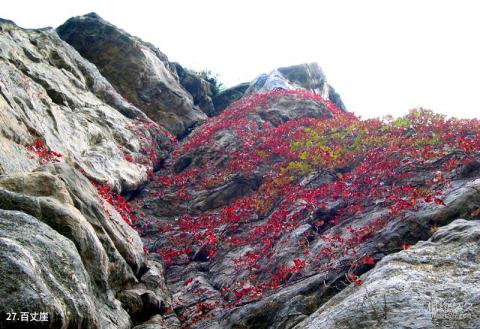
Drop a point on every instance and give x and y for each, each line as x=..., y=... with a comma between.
x=94, y=258
x=137, y=70
x=68, y=140
x=304, y=76
x=53, y=100
x=42, y=270
x=434, y=284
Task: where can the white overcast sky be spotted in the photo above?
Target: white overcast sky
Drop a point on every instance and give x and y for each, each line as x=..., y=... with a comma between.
x=383, y=57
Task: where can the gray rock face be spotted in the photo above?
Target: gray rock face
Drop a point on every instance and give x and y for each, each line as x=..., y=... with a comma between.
x=434, y=284
x=6, y=21
x=102, y=259
x=53, y=100
x=138, y=70
x=304, y=76
x=200, y=89
x=226, y=97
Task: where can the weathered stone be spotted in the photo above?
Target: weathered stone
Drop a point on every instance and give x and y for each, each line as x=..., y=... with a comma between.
x=109, y=250
x=121, y=242
x=237, y=186
x=7, y=22
x=434, y=284
x=303, y=76
x=138, y=70
x=49, y=93
x=154, y=279
x=141, y=304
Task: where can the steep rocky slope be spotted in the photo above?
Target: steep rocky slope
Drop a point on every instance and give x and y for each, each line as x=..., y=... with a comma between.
x=282, y=210
x=431, y=285
x=282, y=200
x=69, y=143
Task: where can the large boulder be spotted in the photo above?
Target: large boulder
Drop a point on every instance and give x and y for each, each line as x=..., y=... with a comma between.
x=57, y=107
x=138, y=70
x=69, y=142
x=101, y=260
x=434, y=284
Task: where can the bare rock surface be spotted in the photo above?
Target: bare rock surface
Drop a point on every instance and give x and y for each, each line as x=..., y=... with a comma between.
x=307, y=76
x=106, y=255
x=200, y=89
x=137, y=70
x=226, y=97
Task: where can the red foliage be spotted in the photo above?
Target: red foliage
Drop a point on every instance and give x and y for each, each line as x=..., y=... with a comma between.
x=128, y=157
x=367, y=260
x=44, y=155
x=368, y=165
x=118, y=202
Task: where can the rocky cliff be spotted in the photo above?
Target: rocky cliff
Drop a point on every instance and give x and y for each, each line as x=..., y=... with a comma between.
x=69, y=144
x=276, y=209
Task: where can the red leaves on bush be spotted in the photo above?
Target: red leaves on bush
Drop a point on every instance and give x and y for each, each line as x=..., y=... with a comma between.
x=439, y=201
